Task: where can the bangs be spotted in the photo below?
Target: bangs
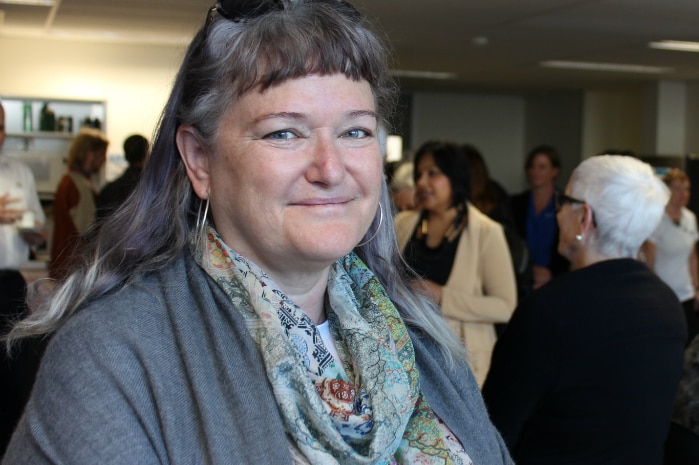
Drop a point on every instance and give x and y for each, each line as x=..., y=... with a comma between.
x=272, y=51
x=305, y=38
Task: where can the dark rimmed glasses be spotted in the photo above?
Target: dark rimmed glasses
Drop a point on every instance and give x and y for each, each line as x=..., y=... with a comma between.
x=560, y=199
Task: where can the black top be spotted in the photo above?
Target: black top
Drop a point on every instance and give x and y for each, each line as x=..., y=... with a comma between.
x=433, y=264
x=116, y=192
x=502, y=211
x=520, y=205
x=588, y=367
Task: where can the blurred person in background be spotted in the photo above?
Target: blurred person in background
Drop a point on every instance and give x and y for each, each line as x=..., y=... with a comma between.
x=491, y=198
x=18, y=201
x=74, y=203
x=402, y=187
x=461, y=254
x=682, y=446
x=671, y=250
x=115, y=193
x=535, y=215
x=587, y=369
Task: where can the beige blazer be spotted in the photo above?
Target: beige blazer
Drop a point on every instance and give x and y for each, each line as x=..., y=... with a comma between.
x=481, y=288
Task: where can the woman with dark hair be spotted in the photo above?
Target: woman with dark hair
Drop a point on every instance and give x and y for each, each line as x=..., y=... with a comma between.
x=491, y=198
x=250, y=304
x=460, y=253
x=535, y=215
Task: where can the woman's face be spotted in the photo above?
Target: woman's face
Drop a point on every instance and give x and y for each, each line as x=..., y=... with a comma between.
x=432, y=186
x=295, y=179
x=541, y=171
x=679, y=193
x=94, y=159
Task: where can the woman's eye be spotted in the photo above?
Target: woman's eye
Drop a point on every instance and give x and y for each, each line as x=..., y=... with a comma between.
x=357, y=133
x=281, y=135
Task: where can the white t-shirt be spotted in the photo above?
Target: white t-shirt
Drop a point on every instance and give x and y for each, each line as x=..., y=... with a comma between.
x=673, y=245
x=324, y=332
x=17, y=179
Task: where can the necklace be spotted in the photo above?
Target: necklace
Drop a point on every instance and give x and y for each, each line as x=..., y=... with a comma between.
x=451, y=233
x=675, y=217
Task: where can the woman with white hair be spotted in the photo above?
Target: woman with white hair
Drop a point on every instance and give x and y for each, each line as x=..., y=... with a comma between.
x=588, y=366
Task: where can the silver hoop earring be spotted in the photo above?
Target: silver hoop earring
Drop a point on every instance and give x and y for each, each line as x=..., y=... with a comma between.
x=377, y=228
x=201, y=220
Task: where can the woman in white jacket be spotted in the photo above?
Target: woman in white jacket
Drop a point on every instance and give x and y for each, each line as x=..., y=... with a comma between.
x=460, y=253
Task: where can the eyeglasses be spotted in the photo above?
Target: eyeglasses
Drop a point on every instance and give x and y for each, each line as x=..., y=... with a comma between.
x=560, y=199
x=240, y=10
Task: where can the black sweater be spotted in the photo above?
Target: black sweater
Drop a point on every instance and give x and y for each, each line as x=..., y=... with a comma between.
x=588, y=367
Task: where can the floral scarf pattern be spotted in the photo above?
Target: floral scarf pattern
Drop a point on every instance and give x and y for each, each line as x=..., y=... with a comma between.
x=363, y=409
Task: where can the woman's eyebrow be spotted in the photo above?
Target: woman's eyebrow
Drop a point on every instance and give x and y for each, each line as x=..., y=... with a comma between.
x=281, y=114
x=361, y=113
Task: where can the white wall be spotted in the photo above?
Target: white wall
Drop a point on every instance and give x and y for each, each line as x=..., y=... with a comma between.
x=133, y=80
x=612, y=119
x=555, y=118
x=692, y=125
x=495, y=124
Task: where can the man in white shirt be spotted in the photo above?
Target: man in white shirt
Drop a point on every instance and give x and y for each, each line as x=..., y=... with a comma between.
x=21, y=216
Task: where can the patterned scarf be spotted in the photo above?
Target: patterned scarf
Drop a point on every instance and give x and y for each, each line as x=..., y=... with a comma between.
x=363, y=409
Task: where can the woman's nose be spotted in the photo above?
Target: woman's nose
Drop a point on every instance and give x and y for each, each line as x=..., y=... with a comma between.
x=421, y=179
x=328, y=163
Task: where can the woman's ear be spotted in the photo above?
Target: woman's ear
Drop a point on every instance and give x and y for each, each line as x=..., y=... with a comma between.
x=587, y=218
x=195, y=158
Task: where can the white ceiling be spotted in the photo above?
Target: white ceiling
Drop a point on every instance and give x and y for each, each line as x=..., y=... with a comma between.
x=434, y=35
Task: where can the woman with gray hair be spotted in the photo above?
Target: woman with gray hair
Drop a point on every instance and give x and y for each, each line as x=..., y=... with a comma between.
x=250, y=305
x=588, y=366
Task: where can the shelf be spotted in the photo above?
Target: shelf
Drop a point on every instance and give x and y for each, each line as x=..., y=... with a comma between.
x=41, y=135
x=45, y=151
x=27, y=141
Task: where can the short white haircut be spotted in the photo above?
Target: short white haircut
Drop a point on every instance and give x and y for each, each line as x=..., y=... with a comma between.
x=626, y=198
x=403, y=177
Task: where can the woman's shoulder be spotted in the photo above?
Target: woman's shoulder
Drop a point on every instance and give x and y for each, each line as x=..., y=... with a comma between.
x=689, y=215
x=143, y=307
x=133, y=311
x=406, y=217
x=405, y=223
x=482, y=225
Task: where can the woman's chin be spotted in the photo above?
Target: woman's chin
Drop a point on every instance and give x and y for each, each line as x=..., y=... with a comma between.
x=328, y=247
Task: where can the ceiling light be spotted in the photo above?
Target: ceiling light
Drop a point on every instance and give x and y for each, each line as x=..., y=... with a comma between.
x=681, y=46
x=614, y=67
x=28, y=2
x=421, y=74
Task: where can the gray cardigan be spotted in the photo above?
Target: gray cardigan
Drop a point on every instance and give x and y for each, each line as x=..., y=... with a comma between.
x=164, y=372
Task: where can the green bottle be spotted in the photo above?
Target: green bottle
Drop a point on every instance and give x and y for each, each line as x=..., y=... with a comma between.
x=27, y=123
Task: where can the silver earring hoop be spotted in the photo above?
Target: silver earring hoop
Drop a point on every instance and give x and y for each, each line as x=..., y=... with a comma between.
x=201, y=220
x=377, y=228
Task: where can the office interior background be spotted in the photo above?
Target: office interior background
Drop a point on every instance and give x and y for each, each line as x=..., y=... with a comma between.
x=503, y=75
